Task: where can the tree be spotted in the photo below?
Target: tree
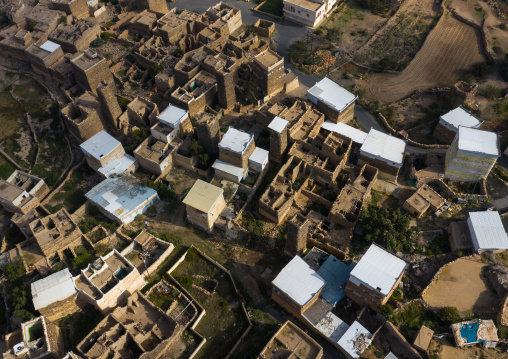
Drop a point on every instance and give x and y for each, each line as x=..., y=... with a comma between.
x=155, y=69
x=15, y=270
x=387, y=227
x=63, y=20
x=450, y=315
x=195, y=148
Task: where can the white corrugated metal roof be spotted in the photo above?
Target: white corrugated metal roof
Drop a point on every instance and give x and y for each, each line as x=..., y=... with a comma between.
x=379, y=269
x=354, y=134
x=259, y=156
x=460, y=117
x=228, y=168
x=332, y=327
x=100, y=145
x=278, y=124
x=333, y=94
x=480, y=142
x=391, y=356
x=49, y=46
x=487, y=230
x=118, y=165
x=384, y=147
x=352, y=337
x=235, y=141
x=53, y=288
x=299, y=281
x=203, y=196
x=173, y=115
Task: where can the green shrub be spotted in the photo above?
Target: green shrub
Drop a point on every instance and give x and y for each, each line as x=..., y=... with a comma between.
x=385, y=310
x=185, y=280
x=97, y=42
x=192, y=254
x=450, y=315
x=106, y=35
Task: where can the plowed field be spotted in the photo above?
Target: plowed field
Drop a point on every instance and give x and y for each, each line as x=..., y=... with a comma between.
x=450, y=48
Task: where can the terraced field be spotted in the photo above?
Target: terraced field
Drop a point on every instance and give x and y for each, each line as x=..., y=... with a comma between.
x=450, y=48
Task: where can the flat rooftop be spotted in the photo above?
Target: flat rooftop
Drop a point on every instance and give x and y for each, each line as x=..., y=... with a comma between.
x=235, y=140
x=88, y=59
x=306, y=4
x=268, y=58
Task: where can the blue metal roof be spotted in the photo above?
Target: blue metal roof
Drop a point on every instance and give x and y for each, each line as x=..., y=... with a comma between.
x=336, y=274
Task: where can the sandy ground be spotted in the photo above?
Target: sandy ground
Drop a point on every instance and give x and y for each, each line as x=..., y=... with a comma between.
x=446, y=349
x=461, y=284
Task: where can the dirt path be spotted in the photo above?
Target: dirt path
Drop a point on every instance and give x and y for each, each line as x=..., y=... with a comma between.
x=450, y=48
x=461, y=285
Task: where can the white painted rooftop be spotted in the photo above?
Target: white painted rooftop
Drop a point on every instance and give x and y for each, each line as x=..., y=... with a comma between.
x=299, y=281
x=203, y=196
x=49, y=46
x=384, y=147
x=379, y=269
x=278, y=124
x=487, y=230
x=356, y=135
x=350, y=341
x=229, y=168
x=459, y=117
x=118, y=166
x=173, y=115
x=100, y=145
x=482, y=143
x=53, y=288
x=235, y=141
x=259, y=156
x=391, y=356
x=331, y=93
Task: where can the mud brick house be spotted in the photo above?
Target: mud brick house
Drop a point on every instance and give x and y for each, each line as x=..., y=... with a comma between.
x=204, y=202
x=105, y=154
x=384, y=152
x=195, y=95
x=55, y=295
x=122, y=198
x=423, y=199
x=487, y=232
x=471, y=155
x=290, y=341
x=44, y=56
x=76, y=37
x=297, y=286
x=158, y=6
x=333, y=100
x=21, y=192
x=375, y=277
x=108, y=281
x=269, y=72
x=347, y=208
x=155, y=156
x=449, y=124
x=227, y=13
x=39, y=339
x=126, y=330
x=90, y=70
x=56, y=233
x=84, y=117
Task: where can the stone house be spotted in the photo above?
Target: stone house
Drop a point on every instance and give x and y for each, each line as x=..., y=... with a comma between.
x=375, y=277
x=297, y=286
x=471, y=155
x=21, y=192
x=383, y=151
x=449, y=124
x=204, y=203
x=333, y=100
x=423, y=199
x=106, y=155
x=269, y=72
x=90, y=70
x=122, y=198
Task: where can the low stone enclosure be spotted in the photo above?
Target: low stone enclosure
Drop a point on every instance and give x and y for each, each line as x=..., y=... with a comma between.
x=447, y=192
x=201, y=309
